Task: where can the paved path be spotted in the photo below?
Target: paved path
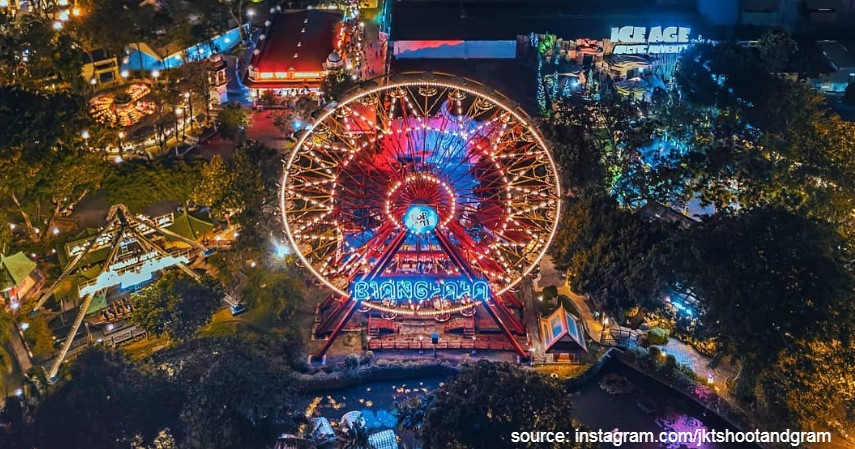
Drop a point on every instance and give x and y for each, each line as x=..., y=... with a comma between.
x=375, y=52
x=685, y=354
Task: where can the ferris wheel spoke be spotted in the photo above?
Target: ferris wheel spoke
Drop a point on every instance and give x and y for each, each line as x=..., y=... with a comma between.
x=477, y=170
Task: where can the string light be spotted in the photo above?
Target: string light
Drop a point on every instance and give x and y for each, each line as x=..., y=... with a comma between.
x=328, y=195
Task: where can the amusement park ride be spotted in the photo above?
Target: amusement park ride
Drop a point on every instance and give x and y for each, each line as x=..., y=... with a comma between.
x=424, y=198
x=133, y=255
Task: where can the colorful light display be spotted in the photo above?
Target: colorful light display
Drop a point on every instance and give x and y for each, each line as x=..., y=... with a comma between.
x=420, y=195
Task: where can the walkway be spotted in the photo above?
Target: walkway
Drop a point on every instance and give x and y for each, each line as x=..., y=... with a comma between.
x=685, y=354
x=375, y=52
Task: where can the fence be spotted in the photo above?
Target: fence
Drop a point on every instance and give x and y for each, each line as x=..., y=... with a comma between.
x=621, y=338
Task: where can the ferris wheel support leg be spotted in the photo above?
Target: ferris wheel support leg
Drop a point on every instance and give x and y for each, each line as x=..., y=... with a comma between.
x=489, y=305
x=66, y=345
x=330, y=318
x=348, y=313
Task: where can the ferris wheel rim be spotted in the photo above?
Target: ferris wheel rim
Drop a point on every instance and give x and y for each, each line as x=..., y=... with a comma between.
x=388, y=82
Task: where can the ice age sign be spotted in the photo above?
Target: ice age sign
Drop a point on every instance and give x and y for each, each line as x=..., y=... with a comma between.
x=633, y=40
x=420, y=289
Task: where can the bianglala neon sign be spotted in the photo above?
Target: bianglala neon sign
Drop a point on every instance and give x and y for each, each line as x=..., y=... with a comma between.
x=420, y=289
x=631, y=40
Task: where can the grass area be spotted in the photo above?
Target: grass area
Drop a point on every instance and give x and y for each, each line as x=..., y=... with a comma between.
x=563, y=371
x=141, y=349
x=258, y=319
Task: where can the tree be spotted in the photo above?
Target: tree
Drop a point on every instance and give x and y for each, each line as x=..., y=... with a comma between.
x=411, y=414
x=35, y=56
x=39, y=337
x=768, y=277
x=232, y=121
x=611, y=254
x=140, y=185
x=233, y=392
x=758, y=139
x=214, y=189
x=578, y=158
x=43, y=156
x=108, y=24
x=336, y=84
x=849, y=95
x=243, y=186
x=106, y=404
x=776, y=49
x=176, y=305
x=487, y=401
x=812, y=384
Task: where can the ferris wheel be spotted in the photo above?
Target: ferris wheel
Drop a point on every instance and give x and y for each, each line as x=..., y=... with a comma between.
x=420, y=194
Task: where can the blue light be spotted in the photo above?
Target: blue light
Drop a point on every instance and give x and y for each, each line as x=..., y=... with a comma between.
x=420, y=219
x=296, y=124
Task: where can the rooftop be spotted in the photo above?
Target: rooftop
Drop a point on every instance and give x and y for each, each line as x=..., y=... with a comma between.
x=838, y=54
x=298, y=41
x=14, y=269
x=493, y=20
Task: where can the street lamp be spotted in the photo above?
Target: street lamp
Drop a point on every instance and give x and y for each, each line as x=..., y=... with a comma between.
x=189, y=108
x=84, y=134
x=179, y=112
x=121, y=143
x=125, y=74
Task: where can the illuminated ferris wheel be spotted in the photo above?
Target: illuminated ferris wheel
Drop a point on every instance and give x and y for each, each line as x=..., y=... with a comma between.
x=420, y=195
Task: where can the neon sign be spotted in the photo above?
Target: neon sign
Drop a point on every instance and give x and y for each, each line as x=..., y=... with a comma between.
x=421, y=219
x=632, y=40
x=420, y=289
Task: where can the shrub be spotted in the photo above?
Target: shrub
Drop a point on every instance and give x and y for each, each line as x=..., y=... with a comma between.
x=550, y=292
x=658, y=336
x=655, y=353
x=670, y=362
x=849, y=96
x=351, y=362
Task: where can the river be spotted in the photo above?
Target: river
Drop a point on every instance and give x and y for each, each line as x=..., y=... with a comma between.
x=650, y=407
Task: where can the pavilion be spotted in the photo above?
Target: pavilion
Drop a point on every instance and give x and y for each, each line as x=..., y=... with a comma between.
x=19, y=278
x=295, y=52
x=563, y=334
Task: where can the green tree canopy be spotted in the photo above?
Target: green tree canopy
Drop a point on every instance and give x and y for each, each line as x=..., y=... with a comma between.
x=37, y=57
x=140, y=185
x=768, y=277
x=234, y=393
x=232, y=121
x=487, y=401
x=610, y=253
x=755, y=138
x=105, y=405
x=176, y=305
x=812, y=384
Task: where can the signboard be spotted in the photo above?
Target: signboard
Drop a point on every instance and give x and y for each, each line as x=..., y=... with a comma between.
x=632, y=40
x=420, y=289
x=421, y=219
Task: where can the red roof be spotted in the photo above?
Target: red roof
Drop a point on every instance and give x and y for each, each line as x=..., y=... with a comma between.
x=300, y=41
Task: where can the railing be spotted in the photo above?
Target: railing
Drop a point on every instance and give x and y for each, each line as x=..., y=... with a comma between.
x=177, y=253
x=117, y=338
x=620, y=337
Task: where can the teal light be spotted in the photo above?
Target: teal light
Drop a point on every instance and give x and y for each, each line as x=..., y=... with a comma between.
x=420, y=218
